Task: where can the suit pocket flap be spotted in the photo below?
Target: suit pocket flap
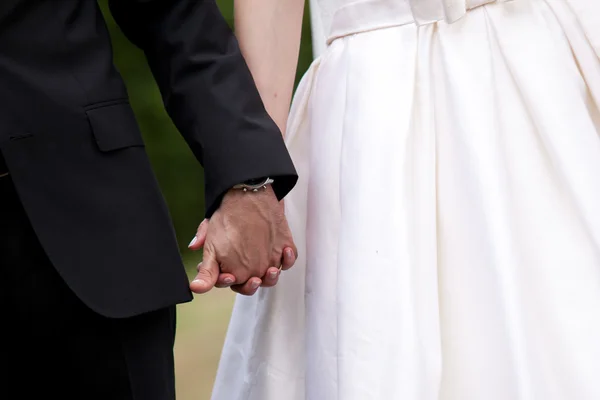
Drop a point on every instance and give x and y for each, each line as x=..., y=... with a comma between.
x=114, y=126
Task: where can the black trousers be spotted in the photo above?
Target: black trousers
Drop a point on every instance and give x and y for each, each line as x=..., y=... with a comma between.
x=53, y=346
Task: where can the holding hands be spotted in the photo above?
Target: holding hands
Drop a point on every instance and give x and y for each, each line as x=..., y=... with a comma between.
x=246, y=243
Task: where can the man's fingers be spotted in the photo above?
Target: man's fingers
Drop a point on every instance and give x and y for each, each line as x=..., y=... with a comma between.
x=271, y=277
x=198, y=240
x=225, y=280
x=287, y=261
x=248, y=288
x=208, y=272
x=289, y=258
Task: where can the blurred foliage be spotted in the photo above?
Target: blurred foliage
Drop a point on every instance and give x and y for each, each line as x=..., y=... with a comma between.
x=178, y=172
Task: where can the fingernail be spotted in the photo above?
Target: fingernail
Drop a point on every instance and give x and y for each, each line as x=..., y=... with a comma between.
x=254, y=285
x=193, y=242
x=289, y=253
x=228, y=281
x=198, y=281
x=273, y=275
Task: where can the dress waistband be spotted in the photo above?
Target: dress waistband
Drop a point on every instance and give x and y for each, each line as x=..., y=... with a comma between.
x=369, y=15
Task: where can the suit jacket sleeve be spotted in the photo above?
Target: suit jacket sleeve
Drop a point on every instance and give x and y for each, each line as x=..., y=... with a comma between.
x=208, y=92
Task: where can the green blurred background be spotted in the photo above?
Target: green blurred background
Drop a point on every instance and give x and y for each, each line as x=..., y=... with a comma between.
x=201, y=324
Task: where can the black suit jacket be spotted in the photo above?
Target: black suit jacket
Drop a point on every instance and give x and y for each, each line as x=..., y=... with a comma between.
x=76, y=155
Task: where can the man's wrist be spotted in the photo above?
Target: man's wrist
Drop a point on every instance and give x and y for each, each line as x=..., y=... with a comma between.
x=254, y=185
x=237, y=198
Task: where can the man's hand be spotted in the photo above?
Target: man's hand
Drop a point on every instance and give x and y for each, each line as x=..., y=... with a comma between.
x=245, y=243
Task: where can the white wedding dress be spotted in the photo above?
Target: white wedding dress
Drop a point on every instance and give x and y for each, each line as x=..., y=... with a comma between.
x=447, y=213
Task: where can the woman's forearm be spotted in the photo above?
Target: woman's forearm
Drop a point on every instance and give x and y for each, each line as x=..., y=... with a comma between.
x=269, y=33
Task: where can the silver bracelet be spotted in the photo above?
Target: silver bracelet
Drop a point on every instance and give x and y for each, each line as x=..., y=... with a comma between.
x=254, y=187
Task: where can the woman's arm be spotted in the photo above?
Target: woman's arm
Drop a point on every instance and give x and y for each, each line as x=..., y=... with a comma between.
x=269, y=33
